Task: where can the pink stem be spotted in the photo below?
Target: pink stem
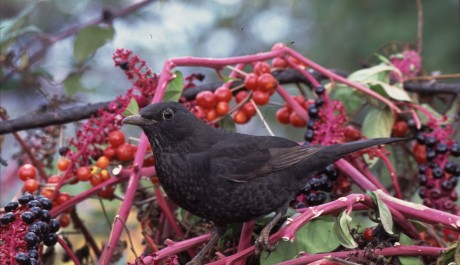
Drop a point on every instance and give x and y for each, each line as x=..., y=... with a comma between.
x=334, y=76
x=307, y=75
x=68, y=251
x=245, y=239
x=294, y=105
x=125, y=209
x=387, y=252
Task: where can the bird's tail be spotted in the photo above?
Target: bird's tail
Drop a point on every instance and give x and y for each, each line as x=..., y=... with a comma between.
x=340, y=150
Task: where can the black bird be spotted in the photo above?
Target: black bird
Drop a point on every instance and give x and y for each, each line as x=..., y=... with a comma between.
x=229, y=177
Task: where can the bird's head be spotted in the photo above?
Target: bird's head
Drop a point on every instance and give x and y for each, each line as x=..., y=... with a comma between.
x=165, y=122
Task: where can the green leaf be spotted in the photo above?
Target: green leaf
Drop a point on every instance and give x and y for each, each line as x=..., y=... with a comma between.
x=451, y=255
x=316, y=236
x=393, y=92
x=342, y=231
x=384, y=213
x=175, y=87
x=228, y=79
x=350, y=98
x=73, y=84
x=131, y=109
x=89, y=39
x=378, y=123
x=379, y=72
x=382, y=58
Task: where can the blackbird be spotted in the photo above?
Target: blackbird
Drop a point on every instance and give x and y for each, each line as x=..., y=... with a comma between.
x=230, y=177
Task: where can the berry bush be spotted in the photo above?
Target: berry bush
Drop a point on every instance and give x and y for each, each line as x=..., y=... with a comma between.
x=397, y=205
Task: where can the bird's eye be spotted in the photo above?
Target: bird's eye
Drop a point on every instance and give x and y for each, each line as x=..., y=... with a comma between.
x=168, y=114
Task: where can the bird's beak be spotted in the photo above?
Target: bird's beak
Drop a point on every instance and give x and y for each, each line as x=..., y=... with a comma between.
x=134, y=120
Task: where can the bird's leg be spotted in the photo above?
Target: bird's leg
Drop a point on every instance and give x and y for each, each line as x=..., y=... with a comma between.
x=216, y=233
x=262, y=243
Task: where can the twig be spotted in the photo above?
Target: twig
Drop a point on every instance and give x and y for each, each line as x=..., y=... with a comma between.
x=88, y=237
x=419, y=26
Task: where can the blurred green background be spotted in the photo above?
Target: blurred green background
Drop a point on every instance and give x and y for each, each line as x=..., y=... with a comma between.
x=336, y=34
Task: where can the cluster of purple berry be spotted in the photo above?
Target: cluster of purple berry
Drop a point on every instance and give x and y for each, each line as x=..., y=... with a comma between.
x=438, y=177
x=313, y=111
x=30, y=220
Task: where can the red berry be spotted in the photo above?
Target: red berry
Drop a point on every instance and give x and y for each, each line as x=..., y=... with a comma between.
x=266, y=82
x=211, y=115
x=419, y=152
x=222, y=108
x=63, y=163
x=109, y=152
x=240, y=117
x=102, y=162
x=248, y=109
x=283, y=115
x=149, y=162
x=48, y=193
x=107, y=192
x=125, y=152
x=399, y=128
x=279, y=63
x=260, y=97
x=240, y=96
x=27, y=171
x=63, y=197
x=250, y=81
x=54, y=179
x=206, y=99
x=116, y=138
x=223, y=94
x=261, y=68
x=351, y=133
x=104, y=175
x=368, y=234
x=198, y=112
x=296, y=121
x=64, y=220
x=30, y=185
x=95, y=179
x=83, y=173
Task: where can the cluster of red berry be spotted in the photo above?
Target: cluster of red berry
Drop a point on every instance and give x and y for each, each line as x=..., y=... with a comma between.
x=285, y=115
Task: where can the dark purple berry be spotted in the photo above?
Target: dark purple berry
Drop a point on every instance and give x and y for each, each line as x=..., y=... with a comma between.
x=422, y=179
x=31, y=239
x=420, y=137
x=430, y=154
x=33, y=261
x=22, y=259
x=430, y=141
x=438, y=172
x=44, y=227
x=46, y=216
x=311, y=199
x=311, y=124
x=309, y=134
x=447, y=184
x=434, y=193
x=25, y=198
x=313, y=112
x=455, y=149
x=319, y=102
x=331, y=172
x=54, y=226
x=50, y=240
x=450, y=167
x=28, y=217
x=321, y=197
x=34, y=203
x=422, y=193
x=37, y=211
x=63, y=150
x=441, y=148
x=7, y=218
x=33, y=254
x=319, y=90
x=315, y=183
x=124, y=66
x=307, y=187
x=11, y=206
x=411, y=124
x=422, y=169
x=35, y=228
x=46, y=203
x=300, y=205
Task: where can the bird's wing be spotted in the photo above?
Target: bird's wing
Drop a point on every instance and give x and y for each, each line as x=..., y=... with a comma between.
x=241, y=159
